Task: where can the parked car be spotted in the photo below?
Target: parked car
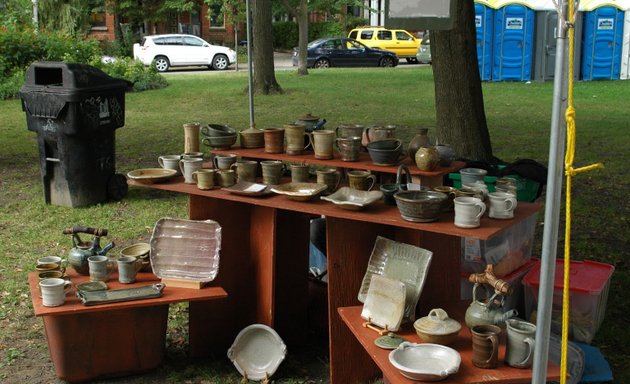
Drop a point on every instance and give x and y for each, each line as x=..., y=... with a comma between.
x=344, y=52
x=399, y=41
x=166, y=51
x=424, y=50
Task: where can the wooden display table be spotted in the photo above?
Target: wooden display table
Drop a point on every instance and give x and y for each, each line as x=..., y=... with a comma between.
x=428, y=178
x=117, y=339
x=467, y=373
x=264, y=259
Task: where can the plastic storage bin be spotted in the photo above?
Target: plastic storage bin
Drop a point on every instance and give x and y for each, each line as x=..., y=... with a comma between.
x=588, y=292
x=75, y=109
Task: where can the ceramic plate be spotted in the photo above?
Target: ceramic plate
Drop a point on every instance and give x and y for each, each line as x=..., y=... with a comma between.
x=245, y=188
x=385, y=303
x=151, y=175
x=257, y=352
x=353, y=199
x=186, y=249
x=300, y=191
x=399, y=261
x=426, y=362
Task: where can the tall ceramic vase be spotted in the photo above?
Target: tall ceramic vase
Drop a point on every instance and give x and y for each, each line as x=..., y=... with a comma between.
x=421, y=139
x=191, y=137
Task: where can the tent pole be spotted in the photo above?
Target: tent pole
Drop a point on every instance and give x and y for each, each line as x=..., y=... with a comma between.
x=552, y=204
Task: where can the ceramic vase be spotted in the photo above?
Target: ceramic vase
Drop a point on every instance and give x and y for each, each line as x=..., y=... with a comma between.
x=446, y=153
x=421, y=139
x=427, y=158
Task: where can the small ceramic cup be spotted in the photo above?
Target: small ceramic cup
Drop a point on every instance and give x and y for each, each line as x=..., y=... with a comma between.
x=54, y=291
x=361, y=180
x=271, y=171
x=330, y=177
x=246, y=170
x=502, y=205
x=468, y=211
x=299, y=173
x=170, y=162
x=204, y=178
x=521, y=335
x=485, y=346
x=226, y=178
x=188, y=167
x=100, y=268
x=128, y=267
x=224, y=161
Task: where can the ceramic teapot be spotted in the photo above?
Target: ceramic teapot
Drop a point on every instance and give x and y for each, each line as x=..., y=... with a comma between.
x=81, y=250
x=311, y=123
x=490, y=311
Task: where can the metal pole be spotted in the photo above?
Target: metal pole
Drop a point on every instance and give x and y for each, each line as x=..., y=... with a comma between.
x=552, y=205
x=35, y=15
x=250, y=82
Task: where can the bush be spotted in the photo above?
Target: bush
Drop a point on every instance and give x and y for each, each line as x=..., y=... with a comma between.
x=143, y=78
x=10, y=85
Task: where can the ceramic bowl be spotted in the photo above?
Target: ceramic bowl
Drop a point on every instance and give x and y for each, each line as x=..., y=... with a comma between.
x=140, y=251
x=151, y=175
x=218, y=130
x=437, y=327
x=300, y=191
x=385, y=152
x=420, y=206
x=257, y=352
x=219, y=141
x=353, y=199
x=425, y=362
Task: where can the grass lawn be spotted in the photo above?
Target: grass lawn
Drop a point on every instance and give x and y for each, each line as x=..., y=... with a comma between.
x=518, y=117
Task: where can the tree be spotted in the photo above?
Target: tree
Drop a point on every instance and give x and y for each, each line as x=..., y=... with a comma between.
x=300, y=13
x=235, y=12
x=67, y=16
x=264, y=75
x=460, y=115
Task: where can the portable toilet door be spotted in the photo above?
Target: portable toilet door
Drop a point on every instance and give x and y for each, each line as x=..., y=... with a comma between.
x=603, y=34
x=625, y=50
x=484, y=23
x=545, y=45
x=513, y=40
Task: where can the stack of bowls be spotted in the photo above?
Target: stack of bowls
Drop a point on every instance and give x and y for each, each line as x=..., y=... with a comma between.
x=420, y=206
x=218, y=136
x=386, y=151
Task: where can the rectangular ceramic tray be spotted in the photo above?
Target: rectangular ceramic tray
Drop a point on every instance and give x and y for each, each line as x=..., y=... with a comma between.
x=400, y=261
x=117, y=295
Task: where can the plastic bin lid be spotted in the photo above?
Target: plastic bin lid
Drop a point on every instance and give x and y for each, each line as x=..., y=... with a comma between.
x=586, y=276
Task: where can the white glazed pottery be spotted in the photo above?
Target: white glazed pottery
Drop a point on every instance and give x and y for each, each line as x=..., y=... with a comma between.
x=257, y=352
x=426, y=362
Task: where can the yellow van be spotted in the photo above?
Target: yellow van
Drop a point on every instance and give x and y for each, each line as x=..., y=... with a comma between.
x=403, y=43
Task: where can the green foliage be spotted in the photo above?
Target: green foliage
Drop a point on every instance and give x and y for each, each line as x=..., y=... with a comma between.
x=10, y=85
x=143, y=78
x=67, y=16
x=15, y=12
x=285, y=33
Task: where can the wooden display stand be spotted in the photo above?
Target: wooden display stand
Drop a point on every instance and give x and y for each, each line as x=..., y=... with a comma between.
x=116, y=339
x=264, y=259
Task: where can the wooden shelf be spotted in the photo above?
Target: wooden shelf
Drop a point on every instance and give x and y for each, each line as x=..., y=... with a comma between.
x=467, y=373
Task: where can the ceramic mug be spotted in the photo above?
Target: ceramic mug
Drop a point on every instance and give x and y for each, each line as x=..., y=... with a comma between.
x=468, y=211
x=521, y=335
x=224, y=161
x=128, y=267
x=100, y=268
x=246, y=170
x=204, y=178
x=361, y=180
x=226, y=177
x=299, y=173
x=274, y=140
x=349, y=147
x=451, y=192
x=350, y=130
x=54, y=291
x=485, y=346
x=188, y=167
x=170, y=162
x=502, y=205
x=322, y=142
x=58, y=261
x=296, y=138
x=271, y=171
x=330, y=177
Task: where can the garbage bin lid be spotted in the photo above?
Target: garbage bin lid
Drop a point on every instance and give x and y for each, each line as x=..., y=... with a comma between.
x=56, y=76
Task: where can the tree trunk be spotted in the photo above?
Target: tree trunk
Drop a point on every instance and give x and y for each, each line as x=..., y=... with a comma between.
x=302, y=20
x=460, y=115
x=264, y=75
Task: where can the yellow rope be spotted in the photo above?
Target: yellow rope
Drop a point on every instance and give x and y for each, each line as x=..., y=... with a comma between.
x=569, y=172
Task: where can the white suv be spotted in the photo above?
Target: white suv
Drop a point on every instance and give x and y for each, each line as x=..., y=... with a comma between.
x=182, y=50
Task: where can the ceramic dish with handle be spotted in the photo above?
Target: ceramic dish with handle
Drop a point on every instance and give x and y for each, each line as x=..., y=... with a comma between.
x=353, y=199
x=257, y=352
x=300, y=191
x=425, y=362
x=151, y=175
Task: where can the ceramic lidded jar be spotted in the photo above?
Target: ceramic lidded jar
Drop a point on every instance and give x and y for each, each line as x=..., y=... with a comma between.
x=437, y=327
x=421, y=139
x=427, y=158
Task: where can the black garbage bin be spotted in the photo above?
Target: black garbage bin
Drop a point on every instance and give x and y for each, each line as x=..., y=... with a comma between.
x=75, y=110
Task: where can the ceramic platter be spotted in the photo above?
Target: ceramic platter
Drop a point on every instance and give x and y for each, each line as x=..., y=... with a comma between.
x=385, y=303
x=245, y=188
x=257, y=352
x=151, y=175
x=425, y=362
x=118, y=295
x=353, y=199
x=300, y=191
x=402, y=262
x=186, y=249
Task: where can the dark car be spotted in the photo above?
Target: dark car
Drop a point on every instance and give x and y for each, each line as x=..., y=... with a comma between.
x=344, y=52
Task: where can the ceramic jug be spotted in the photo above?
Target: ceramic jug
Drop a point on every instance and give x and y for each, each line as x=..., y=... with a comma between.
x=427, y=158
x=81, y=250
x=421, y=139
x=487, y=312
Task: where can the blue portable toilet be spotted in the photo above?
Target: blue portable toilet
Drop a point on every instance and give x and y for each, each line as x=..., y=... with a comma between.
x=513, y=41
x=602, y=40
x=484, y=27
